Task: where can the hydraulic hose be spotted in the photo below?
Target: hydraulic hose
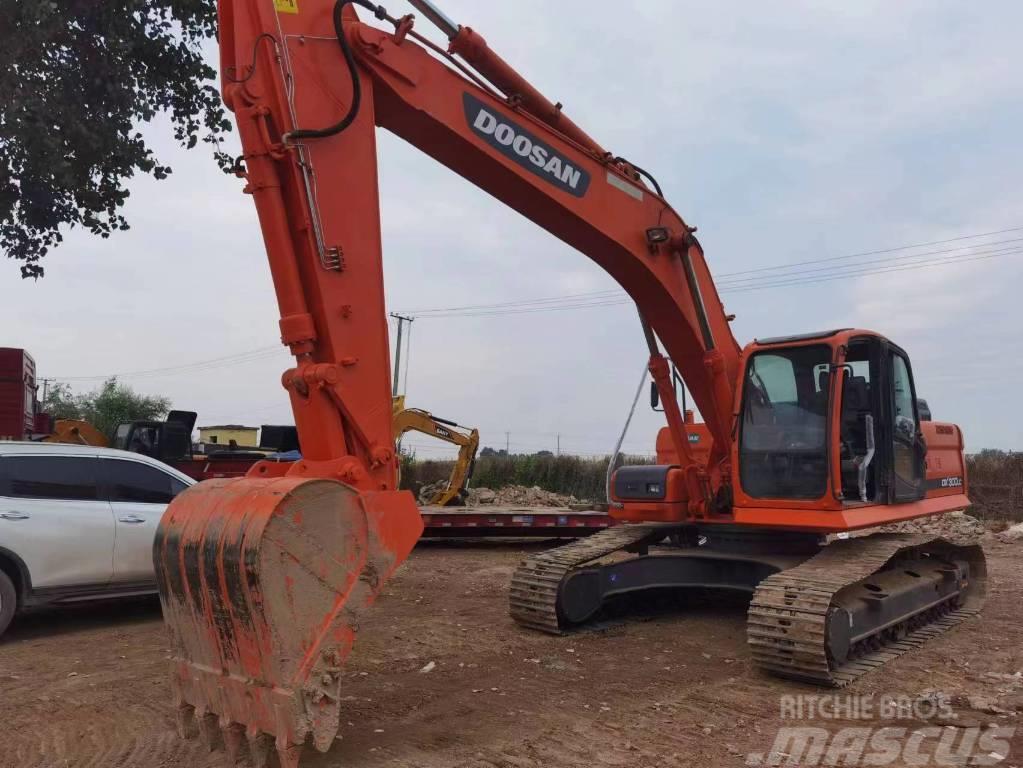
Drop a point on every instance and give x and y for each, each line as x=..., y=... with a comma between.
x=346, y=50
x=641, y=172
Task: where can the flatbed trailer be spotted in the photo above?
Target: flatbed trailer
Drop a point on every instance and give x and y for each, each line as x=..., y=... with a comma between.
x=512, y=522
x=210, y=467
x=490, y=521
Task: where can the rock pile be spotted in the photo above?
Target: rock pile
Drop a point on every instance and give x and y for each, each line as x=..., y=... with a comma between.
x=518, y=496
x=951, y=525
x=510, y=496
x=428, y=491
x=1015, y=533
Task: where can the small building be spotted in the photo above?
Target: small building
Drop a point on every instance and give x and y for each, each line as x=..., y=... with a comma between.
x=223, y=434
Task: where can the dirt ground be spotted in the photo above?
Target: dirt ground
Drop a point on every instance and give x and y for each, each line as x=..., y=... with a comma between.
x=667, y=685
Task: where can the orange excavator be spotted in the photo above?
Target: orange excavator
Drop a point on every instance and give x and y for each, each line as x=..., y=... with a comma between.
x=264, y=580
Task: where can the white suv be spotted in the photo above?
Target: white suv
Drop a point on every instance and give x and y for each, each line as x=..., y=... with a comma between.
x=77, y=523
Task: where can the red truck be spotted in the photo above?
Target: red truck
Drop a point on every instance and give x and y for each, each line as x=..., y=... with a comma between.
x=169, y=441
x=17, y=394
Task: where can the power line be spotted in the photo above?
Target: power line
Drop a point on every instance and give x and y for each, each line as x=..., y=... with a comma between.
x=531, y=310
x=251, y=355
x=617, y=297
x=747, y=284
x=888, y=260
x=768, y=277
x=909, y=268
x=544, y=300
x=874, y=253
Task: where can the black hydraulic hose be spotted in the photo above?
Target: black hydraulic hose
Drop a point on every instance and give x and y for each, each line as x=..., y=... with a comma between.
x=649, y=176
x=641, y=172
x=252, y=67
x=346, y=50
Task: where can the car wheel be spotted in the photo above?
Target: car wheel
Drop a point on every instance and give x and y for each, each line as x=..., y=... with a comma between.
x=8, y=601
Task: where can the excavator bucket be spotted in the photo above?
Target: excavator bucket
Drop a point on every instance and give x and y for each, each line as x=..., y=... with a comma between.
x=263, y=584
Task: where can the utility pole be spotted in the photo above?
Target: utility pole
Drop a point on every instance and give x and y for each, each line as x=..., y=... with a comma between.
x=559, y=444
x=402, y=319
x=46, y=386
x=507, y=442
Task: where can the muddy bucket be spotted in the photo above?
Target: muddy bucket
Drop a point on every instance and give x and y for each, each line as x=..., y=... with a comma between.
x=263, y=584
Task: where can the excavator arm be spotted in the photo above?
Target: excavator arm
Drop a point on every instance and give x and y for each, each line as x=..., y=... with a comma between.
x=468, y=442
x=264, y=580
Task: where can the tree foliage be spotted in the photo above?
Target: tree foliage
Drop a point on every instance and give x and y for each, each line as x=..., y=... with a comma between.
x=61, y=402
x=111, y=404
x=77, y=78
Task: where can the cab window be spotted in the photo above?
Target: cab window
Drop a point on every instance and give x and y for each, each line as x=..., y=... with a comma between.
x=905, y=412
x=905, y=425
x=783, y=445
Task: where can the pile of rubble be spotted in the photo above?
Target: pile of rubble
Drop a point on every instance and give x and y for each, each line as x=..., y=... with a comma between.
x=952, y=525
x=1015, y=533
x=518, y=496
x=510, y=496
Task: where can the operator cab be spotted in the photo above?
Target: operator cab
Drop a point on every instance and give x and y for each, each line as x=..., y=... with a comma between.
x=831, y=415
x=169, y=440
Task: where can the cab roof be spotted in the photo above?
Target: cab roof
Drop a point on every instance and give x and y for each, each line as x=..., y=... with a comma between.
x=801, y=337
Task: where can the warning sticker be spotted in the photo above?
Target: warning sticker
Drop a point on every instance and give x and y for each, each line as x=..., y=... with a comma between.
x=286, y=6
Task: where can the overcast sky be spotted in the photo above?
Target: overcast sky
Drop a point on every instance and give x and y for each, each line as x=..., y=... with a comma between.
x=786, y=131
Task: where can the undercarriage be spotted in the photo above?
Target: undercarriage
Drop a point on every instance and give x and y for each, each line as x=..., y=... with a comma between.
x=820, y=612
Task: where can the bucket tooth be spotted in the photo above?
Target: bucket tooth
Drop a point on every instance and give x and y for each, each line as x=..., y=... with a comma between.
x=186, y=721
x=289, y=755
x=233, y=735
x=208, y=730
x=259, y=748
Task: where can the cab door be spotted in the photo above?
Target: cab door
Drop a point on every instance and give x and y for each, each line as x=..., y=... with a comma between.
x=908, y=450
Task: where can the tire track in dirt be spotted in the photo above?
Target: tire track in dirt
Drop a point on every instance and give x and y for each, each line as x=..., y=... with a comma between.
x=131, y=737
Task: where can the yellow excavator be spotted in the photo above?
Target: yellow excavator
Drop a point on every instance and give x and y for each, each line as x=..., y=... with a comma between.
x=468, y=442
x=76, y=432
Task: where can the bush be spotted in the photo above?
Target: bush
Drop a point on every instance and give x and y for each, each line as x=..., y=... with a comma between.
x=996, y=484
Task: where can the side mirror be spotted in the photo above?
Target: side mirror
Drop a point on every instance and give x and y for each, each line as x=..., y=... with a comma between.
x=655, y=396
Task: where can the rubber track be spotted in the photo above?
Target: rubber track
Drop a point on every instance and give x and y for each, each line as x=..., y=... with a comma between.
x=788, y=612
x=533, y=599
